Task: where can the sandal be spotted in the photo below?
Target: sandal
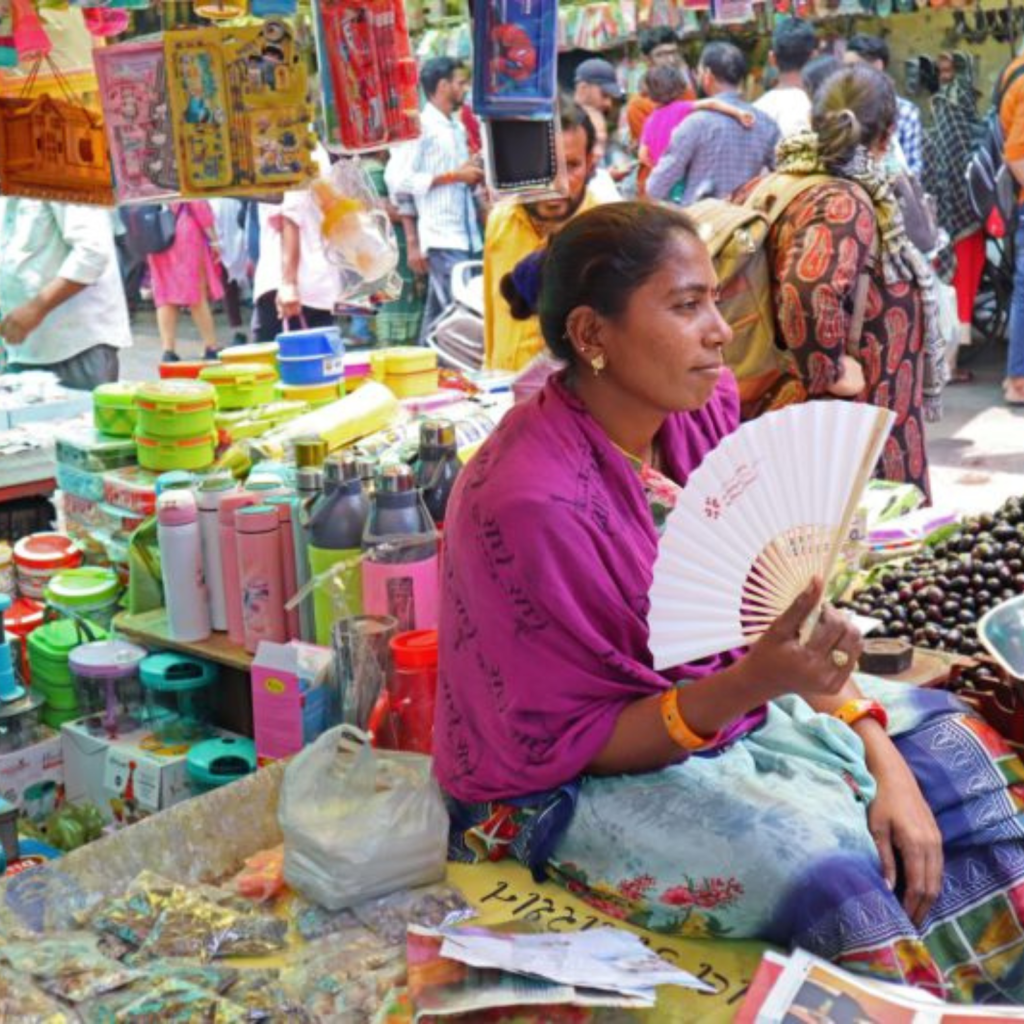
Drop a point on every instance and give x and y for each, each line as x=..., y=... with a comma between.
x=961, y=376
x=1013, y=394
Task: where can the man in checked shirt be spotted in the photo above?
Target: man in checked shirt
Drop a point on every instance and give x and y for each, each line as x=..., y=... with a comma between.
x=712, y=153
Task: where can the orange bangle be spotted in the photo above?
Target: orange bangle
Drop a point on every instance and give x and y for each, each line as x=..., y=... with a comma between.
x=681, y=734
x=860, y=707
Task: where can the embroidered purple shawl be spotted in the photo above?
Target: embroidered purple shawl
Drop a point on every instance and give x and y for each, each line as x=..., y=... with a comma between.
x=549, y=557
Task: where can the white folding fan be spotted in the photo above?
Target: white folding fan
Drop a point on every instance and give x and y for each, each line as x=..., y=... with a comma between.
x=765, y=512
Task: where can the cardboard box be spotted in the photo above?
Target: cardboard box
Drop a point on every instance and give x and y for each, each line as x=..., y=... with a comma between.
x=33, y=778
x=291, y=697
x=128, y=778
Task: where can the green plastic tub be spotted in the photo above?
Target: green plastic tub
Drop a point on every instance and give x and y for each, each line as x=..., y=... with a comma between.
x=175, y=409
x=241, y=385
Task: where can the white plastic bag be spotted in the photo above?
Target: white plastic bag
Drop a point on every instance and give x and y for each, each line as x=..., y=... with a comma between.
x=360, y=823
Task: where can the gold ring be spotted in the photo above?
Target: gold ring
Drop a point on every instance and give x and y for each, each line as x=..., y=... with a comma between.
x=840, y=659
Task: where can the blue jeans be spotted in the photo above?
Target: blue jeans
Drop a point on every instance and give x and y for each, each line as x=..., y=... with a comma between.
x=1015, y=357
x=439, y=295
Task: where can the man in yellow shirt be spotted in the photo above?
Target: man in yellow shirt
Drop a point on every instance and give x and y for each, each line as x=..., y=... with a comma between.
x=514, y=230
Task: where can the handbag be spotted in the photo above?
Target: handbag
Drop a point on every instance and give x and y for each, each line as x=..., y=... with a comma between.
x=918, y=209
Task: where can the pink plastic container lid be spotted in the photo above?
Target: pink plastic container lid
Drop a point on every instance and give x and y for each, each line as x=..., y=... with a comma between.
x=176, y=508
x=106, y=659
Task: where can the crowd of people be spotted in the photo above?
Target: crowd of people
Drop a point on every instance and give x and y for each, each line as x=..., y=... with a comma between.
x=686, y=136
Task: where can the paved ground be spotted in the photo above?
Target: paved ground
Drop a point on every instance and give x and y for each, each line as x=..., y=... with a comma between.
x=976, y=452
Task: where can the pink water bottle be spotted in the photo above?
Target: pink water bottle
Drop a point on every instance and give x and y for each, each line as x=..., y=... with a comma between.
x=260, y=575
x=400, y=570
x=229, y=505
x=286, y=505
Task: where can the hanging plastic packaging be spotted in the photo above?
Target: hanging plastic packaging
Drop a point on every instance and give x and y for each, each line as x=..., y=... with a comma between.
x=369, y=78
x=359, y=824
x=357, y=235
x=515, y=48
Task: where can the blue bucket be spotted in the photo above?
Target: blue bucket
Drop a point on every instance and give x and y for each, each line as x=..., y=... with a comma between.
x=315, y=341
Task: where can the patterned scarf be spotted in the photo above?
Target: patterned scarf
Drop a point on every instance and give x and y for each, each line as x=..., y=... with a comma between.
x=901, y=261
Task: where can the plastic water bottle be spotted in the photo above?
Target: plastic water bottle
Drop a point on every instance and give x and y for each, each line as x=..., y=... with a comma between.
x=336, y=527
x=181, y=558
x=208, y=499
x=437, y=467
x=400, y=571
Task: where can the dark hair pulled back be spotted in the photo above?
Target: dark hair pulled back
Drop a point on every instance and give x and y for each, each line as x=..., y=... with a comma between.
x=598, y=260
x=853, y=107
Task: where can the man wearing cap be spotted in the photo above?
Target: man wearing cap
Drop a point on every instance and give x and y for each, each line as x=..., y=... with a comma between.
x=597, y=91
x=711, y=153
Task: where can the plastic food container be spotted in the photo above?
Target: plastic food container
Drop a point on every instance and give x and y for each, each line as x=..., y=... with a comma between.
x=313, y=341
x=312, y=369
x=190, y=453
x=87, y=593
x=20, y=619
x=113, y=408
x=185, y=370
x=311, y=394
x=118, y=522
x=358, y=369
x=96, y=452
x=409, y=371
x=178, y=696
x=175, y=408
x=48, y=649
x=214, y=763
x=264, y=352
x=80, y=483
x=404, y=716
x=241, y=385
x=106, y=681
x=131, y=489
x=39, y=556
x=20, y=722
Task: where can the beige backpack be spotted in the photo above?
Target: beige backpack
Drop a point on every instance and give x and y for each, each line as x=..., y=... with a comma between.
x=736, y=235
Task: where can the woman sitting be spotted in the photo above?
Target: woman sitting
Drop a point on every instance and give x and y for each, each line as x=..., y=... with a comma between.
x=855, y=302
x=761, y=793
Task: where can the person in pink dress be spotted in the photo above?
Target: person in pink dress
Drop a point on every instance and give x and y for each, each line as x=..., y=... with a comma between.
x=188, y=274
x=667, y=88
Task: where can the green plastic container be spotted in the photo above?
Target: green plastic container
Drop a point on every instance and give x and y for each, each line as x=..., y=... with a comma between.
x=48, y=648
x=93, y=451
x=55, y=719
x=241, y=385
x=113, y=408
x=175, y=408
x=214, y=763
x=89, y=593
x=162, y=454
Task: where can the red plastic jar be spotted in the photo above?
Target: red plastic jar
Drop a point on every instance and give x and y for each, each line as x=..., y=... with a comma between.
x=404, y=716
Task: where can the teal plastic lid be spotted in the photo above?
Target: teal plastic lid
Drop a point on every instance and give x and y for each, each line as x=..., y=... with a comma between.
x=176, y=673
x=219, y=761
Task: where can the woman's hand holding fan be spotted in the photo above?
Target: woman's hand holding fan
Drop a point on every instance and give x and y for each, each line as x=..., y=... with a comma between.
x=819, y=667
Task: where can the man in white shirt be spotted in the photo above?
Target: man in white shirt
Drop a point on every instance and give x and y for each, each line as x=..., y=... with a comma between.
x=437, y=173
x=788, y=105
x=62, y=304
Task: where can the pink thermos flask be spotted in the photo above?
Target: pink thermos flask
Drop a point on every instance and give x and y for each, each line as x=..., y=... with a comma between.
x=229, y=505
x=260, y=575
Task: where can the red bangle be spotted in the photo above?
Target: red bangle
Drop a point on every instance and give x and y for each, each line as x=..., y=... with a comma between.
x=854, y=710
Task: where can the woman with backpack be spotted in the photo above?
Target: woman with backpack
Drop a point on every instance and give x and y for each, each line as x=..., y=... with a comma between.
x=855, y=301
x=187, y=274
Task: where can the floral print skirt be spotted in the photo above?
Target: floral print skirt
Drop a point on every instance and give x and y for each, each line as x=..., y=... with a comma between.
x=769, y=839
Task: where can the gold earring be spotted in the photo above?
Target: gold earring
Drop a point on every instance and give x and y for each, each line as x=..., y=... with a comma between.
x=598, y=363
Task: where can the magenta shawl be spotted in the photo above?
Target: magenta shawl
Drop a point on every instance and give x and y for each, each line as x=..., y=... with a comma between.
x=549, y=555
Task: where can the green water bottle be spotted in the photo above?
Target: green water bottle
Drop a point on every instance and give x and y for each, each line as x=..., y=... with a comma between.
x=336, y=527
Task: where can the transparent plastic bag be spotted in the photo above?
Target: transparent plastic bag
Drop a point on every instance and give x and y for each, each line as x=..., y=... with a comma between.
x=360, y=823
